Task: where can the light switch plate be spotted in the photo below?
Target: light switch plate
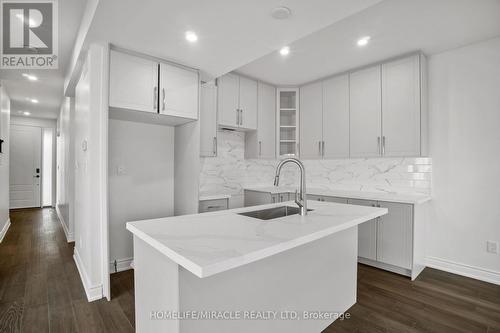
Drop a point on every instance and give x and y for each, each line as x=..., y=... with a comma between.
x=492, y=247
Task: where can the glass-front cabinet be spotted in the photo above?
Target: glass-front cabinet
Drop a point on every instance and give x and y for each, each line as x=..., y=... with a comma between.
x=287, y=120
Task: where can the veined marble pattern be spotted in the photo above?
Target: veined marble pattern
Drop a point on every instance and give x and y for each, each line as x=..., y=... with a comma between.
x=229, y=172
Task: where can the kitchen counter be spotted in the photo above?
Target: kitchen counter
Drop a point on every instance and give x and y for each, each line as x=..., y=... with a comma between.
x=211, y=243
x=223, y=262
x=409, y=198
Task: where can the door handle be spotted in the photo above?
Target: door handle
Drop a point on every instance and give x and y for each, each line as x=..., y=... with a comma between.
x=163, y=91
x=155, y=98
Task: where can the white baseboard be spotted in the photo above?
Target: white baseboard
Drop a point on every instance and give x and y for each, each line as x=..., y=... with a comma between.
x=69, y=235
x=121, y=265
x=464, y=270
x=4, y=230
x=94, y=292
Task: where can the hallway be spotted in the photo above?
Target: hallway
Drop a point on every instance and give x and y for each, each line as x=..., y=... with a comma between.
x=40, y=288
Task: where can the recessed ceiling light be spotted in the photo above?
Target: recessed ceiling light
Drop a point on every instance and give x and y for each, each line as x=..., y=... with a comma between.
x=191, y=36
x=285, y=50
x=26, y=113
x=363, y=40
x=30, y=77
x=281, y=13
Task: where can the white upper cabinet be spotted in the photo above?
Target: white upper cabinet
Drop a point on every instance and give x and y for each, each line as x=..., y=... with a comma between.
x=237, y=102
x=248, y=103
x=401, y=107
x=336, y=117
x=365, y=112
x=178, y=92
x=133, y=82
x=262, y=143
x=311, y=121
x=208, y=120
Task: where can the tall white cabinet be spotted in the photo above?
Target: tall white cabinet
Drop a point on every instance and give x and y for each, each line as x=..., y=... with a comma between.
x=262, y=142
x=388, y=109
x=324, y=119
x=237, y=102
x=208, y=119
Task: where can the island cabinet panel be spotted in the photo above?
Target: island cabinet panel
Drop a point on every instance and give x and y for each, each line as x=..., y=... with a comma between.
x=394, y=235
x=133, y=82
x=366, y=112
x=367, y=233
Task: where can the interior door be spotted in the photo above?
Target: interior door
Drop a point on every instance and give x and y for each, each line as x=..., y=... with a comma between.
x=267, y=121
x=367, y=232
x=25, y=166
x=178, y=91
x=248, y=103
x=336, y=117
x=401, y=107
x=311, y=119
x=365, y=105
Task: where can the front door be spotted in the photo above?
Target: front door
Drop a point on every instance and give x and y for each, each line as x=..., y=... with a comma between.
x=25, y=166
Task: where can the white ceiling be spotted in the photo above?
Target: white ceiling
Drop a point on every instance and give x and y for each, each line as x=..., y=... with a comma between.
x=231, y=32
x=48, y=90
x=395, y=26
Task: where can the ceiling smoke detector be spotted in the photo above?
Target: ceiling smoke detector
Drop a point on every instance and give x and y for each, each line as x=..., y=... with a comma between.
x=281, y=13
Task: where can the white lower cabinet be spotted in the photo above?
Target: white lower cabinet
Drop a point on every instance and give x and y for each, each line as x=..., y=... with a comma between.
x=387, y=242
x=213, y=205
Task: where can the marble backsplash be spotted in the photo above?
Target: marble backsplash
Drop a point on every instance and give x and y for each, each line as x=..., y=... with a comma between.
x=229, y=172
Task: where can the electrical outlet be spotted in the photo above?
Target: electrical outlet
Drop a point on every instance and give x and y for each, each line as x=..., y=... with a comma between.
x=492, y=247
x=121, y=170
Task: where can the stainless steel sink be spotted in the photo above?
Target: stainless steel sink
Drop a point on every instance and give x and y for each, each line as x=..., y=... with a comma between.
x=273, y=213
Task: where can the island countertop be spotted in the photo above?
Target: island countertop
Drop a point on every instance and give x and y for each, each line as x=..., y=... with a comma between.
x=210, y=243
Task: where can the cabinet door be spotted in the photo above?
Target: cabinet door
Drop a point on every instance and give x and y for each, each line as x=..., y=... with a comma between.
x=335, y=199
x=133, y=82
x=179, y=92
x=266, y=118
x=395, y=235
x=367, y=232
x=228, y=100
x=208, y=120
x=401, y=107
x=365, y=105
x=336, y=117
x=248, y=103
x=311, y=119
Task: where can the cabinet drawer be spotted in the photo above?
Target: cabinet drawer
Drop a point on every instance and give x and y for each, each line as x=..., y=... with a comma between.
x=213, y=205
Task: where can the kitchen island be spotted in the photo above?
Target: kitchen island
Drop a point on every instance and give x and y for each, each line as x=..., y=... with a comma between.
x=228, y=272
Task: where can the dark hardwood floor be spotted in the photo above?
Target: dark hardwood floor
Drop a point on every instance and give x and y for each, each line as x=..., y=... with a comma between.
x=40, y=291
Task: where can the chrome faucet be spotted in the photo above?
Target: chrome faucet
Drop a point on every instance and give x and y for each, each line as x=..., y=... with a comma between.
x=300, y=199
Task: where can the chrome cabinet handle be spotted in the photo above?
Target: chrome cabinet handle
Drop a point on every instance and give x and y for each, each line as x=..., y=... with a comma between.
x=383, y=145
x=163, y=91
x=319, y=148
x=378, y=145
x=241, y=116
x=237, y=116
x=155, y=98
x=215, y=145
x=260, y=148
x=323, y=149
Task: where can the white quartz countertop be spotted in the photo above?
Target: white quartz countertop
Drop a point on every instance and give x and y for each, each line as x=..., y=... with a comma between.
x=210, y=243
x=378, y=196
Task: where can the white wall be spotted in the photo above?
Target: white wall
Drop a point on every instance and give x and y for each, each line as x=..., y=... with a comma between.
x=4, y=160
x=90, y=194
x=66, y=167
x=141, y=180
x=464, y=103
